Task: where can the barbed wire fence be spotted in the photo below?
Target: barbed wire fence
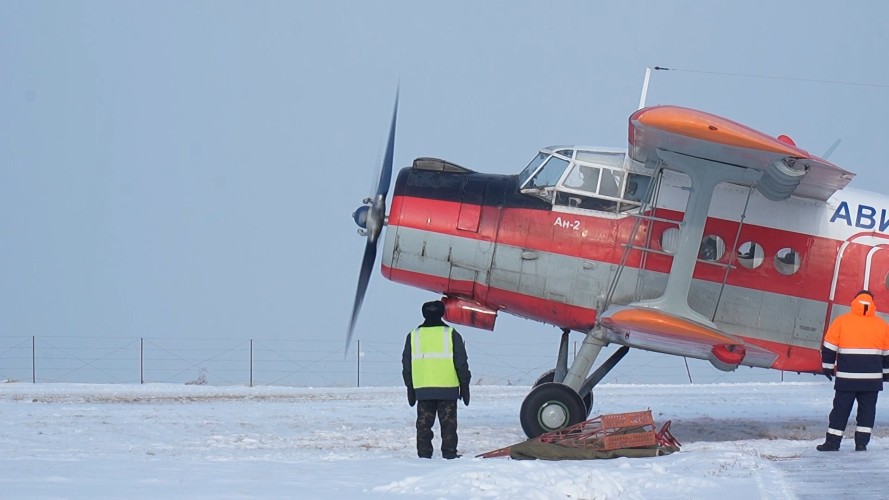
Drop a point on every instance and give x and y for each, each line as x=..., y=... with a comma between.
x=314, y=363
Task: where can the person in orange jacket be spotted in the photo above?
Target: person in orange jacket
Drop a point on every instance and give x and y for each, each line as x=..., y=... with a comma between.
x=856, y=352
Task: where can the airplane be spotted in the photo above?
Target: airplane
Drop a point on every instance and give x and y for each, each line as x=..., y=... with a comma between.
x=703, y=238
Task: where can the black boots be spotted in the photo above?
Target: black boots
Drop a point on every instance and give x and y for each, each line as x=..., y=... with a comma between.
x=831, y=443
x=861, y=440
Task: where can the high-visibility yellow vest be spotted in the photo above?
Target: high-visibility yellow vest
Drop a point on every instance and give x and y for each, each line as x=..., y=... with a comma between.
x=432, y=357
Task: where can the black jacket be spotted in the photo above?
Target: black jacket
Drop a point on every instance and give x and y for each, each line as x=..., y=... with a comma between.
x=461, y=364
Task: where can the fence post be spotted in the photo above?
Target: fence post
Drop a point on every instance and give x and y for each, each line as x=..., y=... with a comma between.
x=358, y=369
x=33, y=359
x=251, y=362
x=142, y=360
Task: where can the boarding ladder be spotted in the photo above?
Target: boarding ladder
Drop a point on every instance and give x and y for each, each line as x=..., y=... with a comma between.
x=650, y=204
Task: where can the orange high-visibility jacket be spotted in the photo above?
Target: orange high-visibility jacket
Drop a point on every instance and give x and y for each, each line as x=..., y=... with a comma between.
x=856, y=347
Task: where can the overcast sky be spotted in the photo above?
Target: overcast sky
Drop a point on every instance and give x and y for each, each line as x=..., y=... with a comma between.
x=189, y=168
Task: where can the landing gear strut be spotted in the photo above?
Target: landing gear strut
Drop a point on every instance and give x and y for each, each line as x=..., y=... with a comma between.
x=550, y=377
x=555, y=402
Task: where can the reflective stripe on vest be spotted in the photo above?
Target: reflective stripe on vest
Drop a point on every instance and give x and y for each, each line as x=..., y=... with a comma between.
x=432, y=357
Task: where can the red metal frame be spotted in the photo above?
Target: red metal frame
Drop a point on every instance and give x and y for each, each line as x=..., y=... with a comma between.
x=606, y=432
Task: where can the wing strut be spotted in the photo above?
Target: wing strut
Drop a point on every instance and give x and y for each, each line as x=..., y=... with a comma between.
x=705, y=175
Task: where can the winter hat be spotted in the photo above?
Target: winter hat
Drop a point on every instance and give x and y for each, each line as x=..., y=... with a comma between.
x=433, y=310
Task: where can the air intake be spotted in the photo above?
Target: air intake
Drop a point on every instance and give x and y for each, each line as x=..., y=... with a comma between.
x=780, y=179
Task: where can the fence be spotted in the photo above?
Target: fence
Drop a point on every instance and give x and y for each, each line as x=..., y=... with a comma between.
x=311, y=363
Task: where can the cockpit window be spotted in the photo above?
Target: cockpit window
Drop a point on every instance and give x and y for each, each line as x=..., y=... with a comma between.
x=611, y=183
x=615, y=160
x=549, y=175
x=532, y=166
x=583, y=177
x=637, y=187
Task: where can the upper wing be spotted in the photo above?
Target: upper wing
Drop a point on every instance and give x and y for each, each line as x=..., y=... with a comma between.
x=695, y=142
x=786, y=168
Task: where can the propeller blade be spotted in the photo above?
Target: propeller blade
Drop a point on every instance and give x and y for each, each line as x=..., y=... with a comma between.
x=367, y=264
x=371, y=217
x=386, y=171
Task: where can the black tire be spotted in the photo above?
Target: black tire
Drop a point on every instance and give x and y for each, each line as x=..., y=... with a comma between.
x=549, y=376
x=549, y=407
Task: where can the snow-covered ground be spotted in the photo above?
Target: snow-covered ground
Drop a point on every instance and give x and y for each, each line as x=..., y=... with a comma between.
x=739, y=441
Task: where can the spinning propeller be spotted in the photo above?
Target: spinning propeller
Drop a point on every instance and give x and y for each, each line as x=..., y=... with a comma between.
x=371, y=217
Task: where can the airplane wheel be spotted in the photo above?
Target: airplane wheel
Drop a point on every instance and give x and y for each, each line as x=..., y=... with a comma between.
x=548, y=376
x=549, y=407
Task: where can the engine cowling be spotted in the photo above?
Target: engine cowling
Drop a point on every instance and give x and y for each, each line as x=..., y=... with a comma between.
x=469, y=313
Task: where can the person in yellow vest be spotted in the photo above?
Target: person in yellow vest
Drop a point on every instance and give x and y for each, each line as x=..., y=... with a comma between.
x=855, y=352
x=436, y=372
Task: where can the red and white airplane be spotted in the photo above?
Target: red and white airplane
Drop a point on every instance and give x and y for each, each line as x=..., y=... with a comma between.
x=704, y=238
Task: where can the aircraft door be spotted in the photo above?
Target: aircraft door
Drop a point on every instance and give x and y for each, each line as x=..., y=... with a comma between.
x=877, y=276
x=858, y=265
x=473, y=250
x=849, y=276
x=471, y=206
x=862, y=264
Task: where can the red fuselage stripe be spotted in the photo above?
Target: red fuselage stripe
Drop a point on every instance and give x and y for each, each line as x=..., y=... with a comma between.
x=601, y=239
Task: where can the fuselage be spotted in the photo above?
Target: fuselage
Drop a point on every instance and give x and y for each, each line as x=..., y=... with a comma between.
x=773, y=273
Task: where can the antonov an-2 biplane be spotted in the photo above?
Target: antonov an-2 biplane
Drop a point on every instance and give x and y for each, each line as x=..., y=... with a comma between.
x=704, y=238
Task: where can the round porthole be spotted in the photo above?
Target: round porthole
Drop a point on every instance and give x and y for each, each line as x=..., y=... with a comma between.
x=750, y=255
x=787, y=261
x=712, y=248
x=669, y=240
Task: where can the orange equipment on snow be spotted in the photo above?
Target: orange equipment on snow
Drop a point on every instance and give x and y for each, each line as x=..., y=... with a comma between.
x=606, y=433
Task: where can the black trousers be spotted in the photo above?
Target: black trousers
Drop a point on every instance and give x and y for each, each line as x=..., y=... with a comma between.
x=842, y=408
x=446, y=410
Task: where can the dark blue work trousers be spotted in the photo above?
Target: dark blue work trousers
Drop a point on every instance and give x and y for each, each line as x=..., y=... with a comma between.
x=842, y=408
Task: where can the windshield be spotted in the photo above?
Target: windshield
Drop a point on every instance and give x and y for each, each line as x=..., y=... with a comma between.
x=529, y=170
x=549, y=175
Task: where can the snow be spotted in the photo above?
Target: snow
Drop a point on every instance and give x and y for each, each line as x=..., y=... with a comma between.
x=739, y=441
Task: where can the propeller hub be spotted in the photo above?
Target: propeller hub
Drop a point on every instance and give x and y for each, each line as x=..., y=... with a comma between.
x=360, y=216
x=371, y=218
x=375, y=218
